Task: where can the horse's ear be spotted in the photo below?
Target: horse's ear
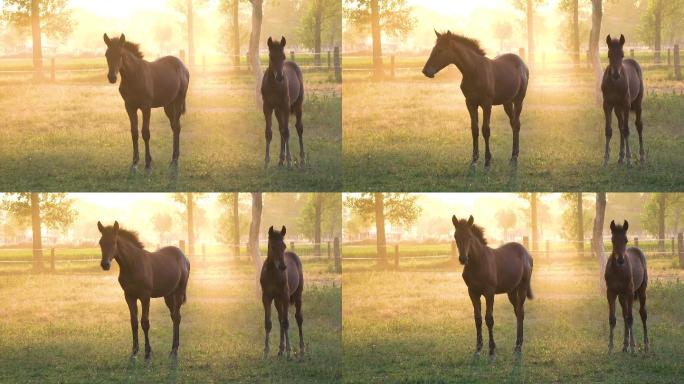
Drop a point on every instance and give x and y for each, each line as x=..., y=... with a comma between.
x=100, y=227
x=270, y=231
x=448, y=33
x=625, y=225
x=471, y=220
x=282, y=41
x=454, y=220
x=270, y=42
x=106, y=39
x=438, y=34
x=122, y=40
x=283, y=230
x=608, y=40
x=116, y=226
x=612, y=225
x=622, y=39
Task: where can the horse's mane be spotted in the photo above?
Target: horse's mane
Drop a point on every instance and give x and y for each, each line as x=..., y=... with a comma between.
x=129, y=235
x=475, y=229
x=468, y=42
x=130, y=47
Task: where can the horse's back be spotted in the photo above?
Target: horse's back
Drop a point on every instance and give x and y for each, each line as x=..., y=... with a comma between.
x=513, y=265
x=295, y=273
x=512, y=78
x=635, y=78
x=170, y=78
x=295, y=80
x=637, y=262
x=171, y=269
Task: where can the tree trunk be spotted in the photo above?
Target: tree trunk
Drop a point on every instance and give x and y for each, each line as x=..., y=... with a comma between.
x=318, y=4
x=190, y=209
x=662, y=208
x=36, y=35
x=254, y=39
x=575, y=33
x=580, y=224
x=658, y=29
x=594, y=38
x=597, y=238
x=318, y=211
x=36, y=232
x=534, y=221
x=380, y=227
x=236, y=33
x=254, y=228
x=377, y=39
x=530, y=32
x=191, y=32
x=236, y=225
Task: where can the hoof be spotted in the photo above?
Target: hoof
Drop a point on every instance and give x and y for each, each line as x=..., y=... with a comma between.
x=148, y=171
x=173, y=354
x=173, y=166
x=514, y=162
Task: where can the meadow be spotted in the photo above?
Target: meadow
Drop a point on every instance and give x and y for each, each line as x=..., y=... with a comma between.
x=415, y=325
x=411, y=133
x=73, y=326
x=73, y=134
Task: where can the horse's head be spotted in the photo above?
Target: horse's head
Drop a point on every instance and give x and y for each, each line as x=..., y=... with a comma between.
x=276, y=248
x=276, y=57
x=615, y=55
x=463, y=237
x=108, y=243
x=619, y=240
x=440, y=57
x=114, y=55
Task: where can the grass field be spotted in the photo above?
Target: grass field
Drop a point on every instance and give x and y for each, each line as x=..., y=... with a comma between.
x=74, y=135
x=413, y=134
x=74, y=328
x=415, y=325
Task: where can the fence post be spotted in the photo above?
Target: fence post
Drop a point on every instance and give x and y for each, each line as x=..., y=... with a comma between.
x=680, y=248
x=392, y=67
x=182, y=55
x=338, y=257
x=329, y=61
x=181, y=245
x=631, y=53
x=292, y=56
x=677, y=63
x=548, y=250
x=636, y=242
x=329, y=254
x=248, y=64
x=52, y=259
x=453, y=250
x=588, y=56
x=338, y=65
x=673, y=246
x=52, y=69
x=521, y=53
x=669, y=56
x=396, y=256
x=204, y=253
x=292, y=246
x=526, y=242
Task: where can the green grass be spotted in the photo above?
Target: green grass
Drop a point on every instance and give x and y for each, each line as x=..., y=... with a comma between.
x=74, y=328
x=415, y=325
x=74, y=135
x=413, y=134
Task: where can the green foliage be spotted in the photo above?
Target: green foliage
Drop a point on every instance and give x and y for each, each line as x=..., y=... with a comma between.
x=569, y=217
x=400, y=208
x=224, y=230
x=674, y=213
x=331, y=221
x=395, y=15
x=331, y=23
x=506, y=218
x=672, y=21
x=55, y=16
x=56, y=211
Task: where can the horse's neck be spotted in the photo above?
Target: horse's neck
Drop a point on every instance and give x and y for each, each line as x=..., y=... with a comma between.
x=128, y=255
x=465, y=59
x=130, y=67
x=481, y=251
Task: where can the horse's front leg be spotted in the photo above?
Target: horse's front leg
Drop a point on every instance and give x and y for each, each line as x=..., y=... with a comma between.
x=266, y=301
x=620, y=117
x=623, y=305
x=611, y=317
x=640, y=131
x=625, y=121
x=608, y=112
x=285, y=136
x=300, y=133
x=286, y=324
x=145, y=322
x=475, y=130
x=146, y=113
x=489, y=319
x=477, y=312
x=268, y=116
x=486, y=132
x=133, y=117
x=630, y=319
x=133, y=309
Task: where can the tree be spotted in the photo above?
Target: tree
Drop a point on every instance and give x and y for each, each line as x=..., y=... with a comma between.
x=572, y=7
x=254, y=229
x=232, y=9
x=230, y=226
x=253, y=53
x=594, y=38
x=163, y=223
x=597, y=238
x=661, y=17
x=187, y=8
x=503, y=31
x=506, y=219
x=662, y=210
x=576, y=219
x=397, y=208
x=188, y=201
x=323, y=18
x=50, y=17
x=532, y=199
x=391, y=17
x=320, y=217
x=52, y=210
x=528, y=6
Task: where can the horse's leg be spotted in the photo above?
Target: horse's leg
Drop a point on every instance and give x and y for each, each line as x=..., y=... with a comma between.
x=608, y=112
x=145, y=322
x=300, y=319
x=623, y=305
x=520, y=316
x=611, y=317
x=477, y=311
x=174, y=118
x=517, y=111
x=625, y=121
x=285, y=133
x=489, y=320
x=643, y=314
x=268, y=116
x=133, y=309
x=146, y=112
x=281, y=321
x=630, y=319
x=279, y=117
x=511, y=118
x=133, y=117
x=486, y=132
x=640, y=130
x=266, y=301
x=170, y=301
x=286, y=324
x=475, y=130
x=300, y=132
x=620, y=117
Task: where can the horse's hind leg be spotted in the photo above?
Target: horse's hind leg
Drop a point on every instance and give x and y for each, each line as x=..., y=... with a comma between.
x=145, y=322
x=266, y=301
x=477, y=313
x=268, y=117
x=174, y=310
x=146, y=112
x=640, y=131
x=486, y=133
x=620, y=117
x=608, y=112
x=489, y=320
x=133, y=117
x=625, y=121
x=644, y=315
x=520, y=316
x=300, y=132
x=299, y=318
x=133, y=309
x=173, y=113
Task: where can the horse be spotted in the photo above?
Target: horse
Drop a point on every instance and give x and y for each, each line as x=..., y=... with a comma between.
x=623, y=91
x=282, y=281
x=282, y=91
x=146, y=85
x=487, y=272
x=626, y=278
x=486, y=82
x=144, y=275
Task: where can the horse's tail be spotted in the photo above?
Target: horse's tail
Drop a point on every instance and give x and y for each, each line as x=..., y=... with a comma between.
x=530, y=295
x=184, y=298
x=184, y=90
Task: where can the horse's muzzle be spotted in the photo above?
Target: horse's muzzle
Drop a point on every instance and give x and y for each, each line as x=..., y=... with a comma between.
x=429, y=72
x=112, y=79
x=105, y=265
x=463, y=260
